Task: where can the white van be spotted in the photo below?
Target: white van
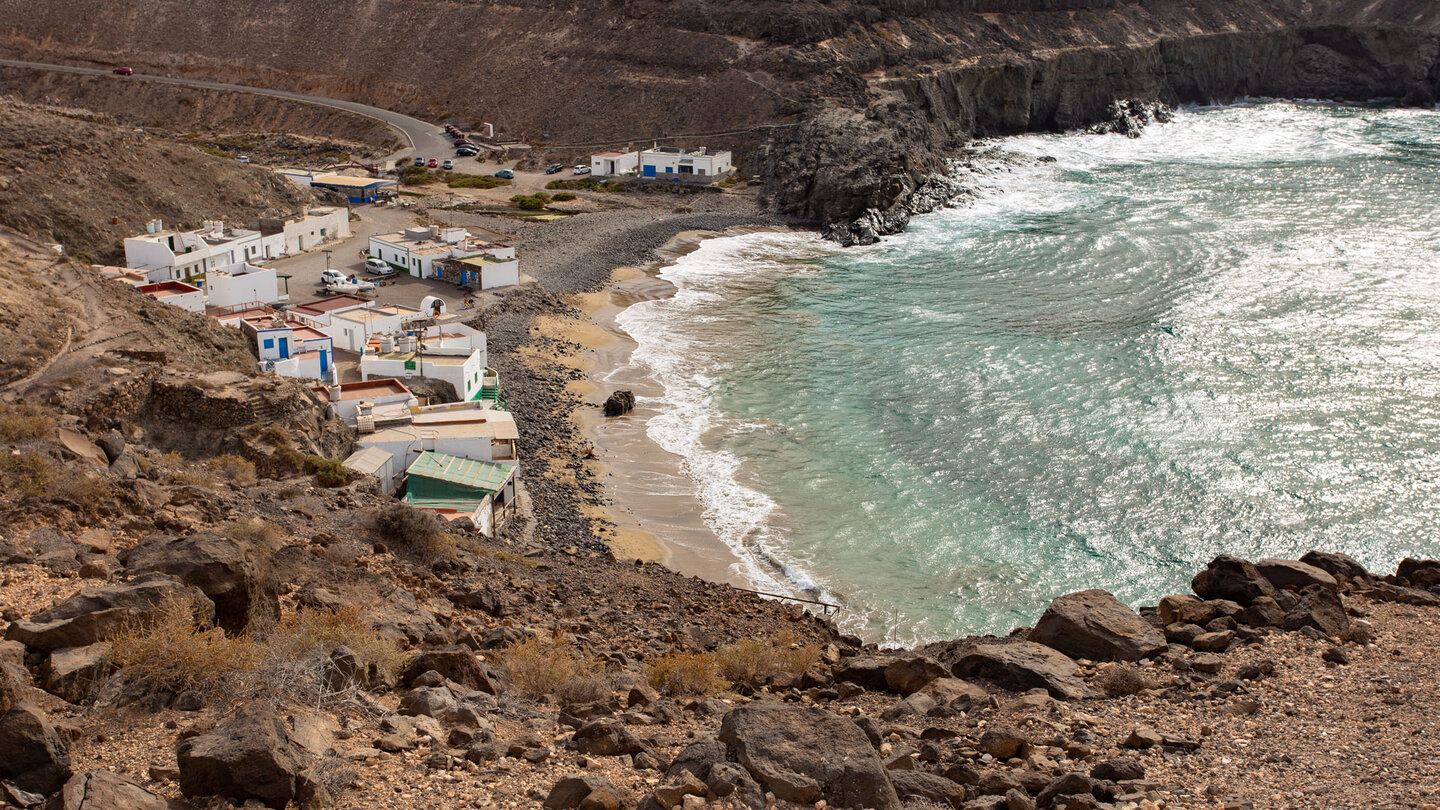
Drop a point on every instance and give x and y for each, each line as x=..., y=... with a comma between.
x=377, y=267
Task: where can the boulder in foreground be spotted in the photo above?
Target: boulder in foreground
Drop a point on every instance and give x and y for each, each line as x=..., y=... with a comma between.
x=804, y=754
x=1021, y=666
x=248, y=757
x=103, y=790
x=1094, y=624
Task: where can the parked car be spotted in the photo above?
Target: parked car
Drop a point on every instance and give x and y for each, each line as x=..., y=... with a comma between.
x=419, y=161
x=554, y=168
x=467, y=151
x=581, y=170
x=505, y=174
x=242, y=159
x=122, y=71
x=377, y=267
x=432, y=163
x=447, y=163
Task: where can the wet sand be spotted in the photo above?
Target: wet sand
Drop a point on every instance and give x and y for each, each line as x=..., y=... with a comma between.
x=652, y=503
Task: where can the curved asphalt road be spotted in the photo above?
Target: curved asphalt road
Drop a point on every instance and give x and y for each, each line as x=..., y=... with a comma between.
x=425, y=138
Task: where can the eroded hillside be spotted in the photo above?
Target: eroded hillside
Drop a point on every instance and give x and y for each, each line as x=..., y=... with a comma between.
x=75, y=178
x=845, y=107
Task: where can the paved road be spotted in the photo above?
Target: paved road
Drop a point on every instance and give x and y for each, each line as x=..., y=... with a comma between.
x=425, y=138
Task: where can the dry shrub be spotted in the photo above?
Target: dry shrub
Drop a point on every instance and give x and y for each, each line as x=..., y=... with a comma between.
x=20, y=423
x=328, y=472
x=255, y=531
x=584, y=689
x=752, y=661
x=35, y=475
x=543, y=666
x=683, y=673
x=179, y=649
x=417, y=531
x=233, y=468
x=1121, y=680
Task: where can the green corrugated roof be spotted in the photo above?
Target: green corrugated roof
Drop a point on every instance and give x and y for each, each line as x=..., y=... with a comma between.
x=443, y=503
x=481, y=475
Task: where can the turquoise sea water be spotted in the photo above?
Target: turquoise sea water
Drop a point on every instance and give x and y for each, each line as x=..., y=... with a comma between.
x=1221, y=337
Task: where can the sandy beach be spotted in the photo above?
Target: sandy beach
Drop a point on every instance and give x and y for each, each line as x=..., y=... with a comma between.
x=651, y=506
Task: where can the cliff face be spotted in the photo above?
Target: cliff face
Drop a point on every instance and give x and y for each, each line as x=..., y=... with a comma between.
x=868, y=96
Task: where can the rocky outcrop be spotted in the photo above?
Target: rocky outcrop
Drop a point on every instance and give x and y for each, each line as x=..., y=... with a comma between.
x=103, y=790
x=1293, y=575
x=1231, y=578
x=95, y=614
x=1095, y=625
x=1023, y=665
x=805, y=754
x=249, y=756
x=619, y=403
x=226, y=570
x=33, y=756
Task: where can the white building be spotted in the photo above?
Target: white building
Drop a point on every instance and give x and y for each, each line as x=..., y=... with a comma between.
x=383, y=400
x=319, y=313
x=290, y=348
x=666, y=162
x=354, y=328
x=244, y=285
x=187, y=255
x=463, y=368
x=376, y=462
x=302, y=232
x=610, y=164
x=177, y=294
x=418, y=252
x=480, y=435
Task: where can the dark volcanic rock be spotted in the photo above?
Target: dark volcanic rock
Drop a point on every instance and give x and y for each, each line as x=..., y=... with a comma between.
x=94, y=614
x=1021, y=666
x=1118, y=770
x=927, y=786
x=103, y=790
x=1094, y=624
x=864, y=670
x=249, y=756
x=1337, y=565
x=1320, y=608
x=1421, y=574
x=1231, y=578
x=225, y=569
x=1293, y=575
x=607, y=738
x=619, y=403
x=455, y=663
x=571, y=790
x=910, y=675
x=804, y=754
x=33, y=756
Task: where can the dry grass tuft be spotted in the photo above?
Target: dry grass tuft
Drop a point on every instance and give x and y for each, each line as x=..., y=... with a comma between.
x=35, y=475
x=256, y=531
x=683, y=673
x=422, y=533
x=20, y=423
x=180, y=650
x=233, y=468
x=544, y=666
x=1121, y=680
x=752, y=661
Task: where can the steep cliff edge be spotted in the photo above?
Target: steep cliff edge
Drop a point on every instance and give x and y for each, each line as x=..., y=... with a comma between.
x=845, y=107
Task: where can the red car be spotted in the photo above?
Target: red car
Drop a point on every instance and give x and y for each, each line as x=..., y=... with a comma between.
x=122, y=71
x=432, y=163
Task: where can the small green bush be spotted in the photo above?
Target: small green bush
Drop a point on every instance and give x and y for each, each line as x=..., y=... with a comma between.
x=563, y=196
x=530, y=202
x=328, y=472
x=476, y=181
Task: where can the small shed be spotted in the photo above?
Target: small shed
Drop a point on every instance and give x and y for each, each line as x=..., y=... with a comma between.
x=376, y=462
x=460, y=487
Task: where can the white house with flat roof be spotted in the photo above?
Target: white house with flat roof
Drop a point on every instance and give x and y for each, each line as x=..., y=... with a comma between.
x=177, y=294
x=463, y=368
x=354, y=328
x=187, y=255
x=611, y=164
x=243, y=285
x=318, y=313
x=419, y=251
x=290, y=348
x=666, y=162
x=385, y=399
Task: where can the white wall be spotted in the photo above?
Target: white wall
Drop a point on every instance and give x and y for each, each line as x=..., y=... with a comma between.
x=603, y=165
x=306, y=233
x=226, y=290
x=467, y=378
x=505, y=274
